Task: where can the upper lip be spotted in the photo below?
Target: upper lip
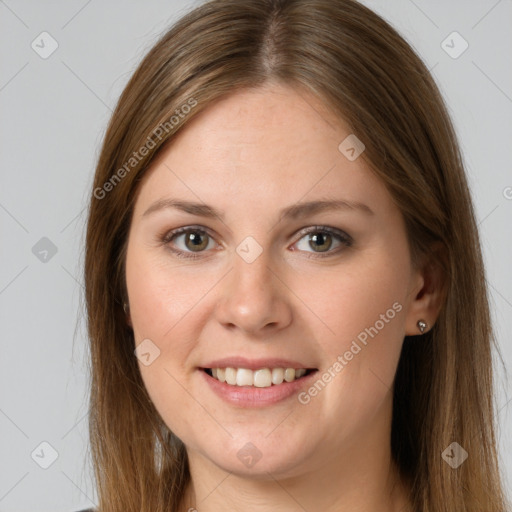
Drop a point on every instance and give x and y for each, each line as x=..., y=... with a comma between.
x=255, y=364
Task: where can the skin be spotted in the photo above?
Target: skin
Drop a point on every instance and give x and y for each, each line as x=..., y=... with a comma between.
x=250, y=155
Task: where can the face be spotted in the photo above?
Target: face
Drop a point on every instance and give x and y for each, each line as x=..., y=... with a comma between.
x=303, y=309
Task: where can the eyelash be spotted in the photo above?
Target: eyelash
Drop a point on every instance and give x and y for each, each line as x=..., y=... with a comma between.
x=345, y=239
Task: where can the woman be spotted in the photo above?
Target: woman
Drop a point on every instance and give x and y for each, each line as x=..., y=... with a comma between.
x=286, y=298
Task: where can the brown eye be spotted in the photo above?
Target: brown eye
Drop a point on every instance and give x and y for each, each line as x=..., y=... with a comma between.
x=321, y=239
x=184, y=242
x=196, y=241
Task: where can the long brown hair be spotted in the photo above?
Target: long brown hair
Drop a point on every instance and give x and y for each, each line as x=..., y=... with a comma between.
x=361, y=68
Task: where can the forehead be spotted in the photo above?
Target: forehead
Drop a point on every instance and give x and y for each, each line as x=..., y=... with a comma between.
x=268, y=146
x=268, y=115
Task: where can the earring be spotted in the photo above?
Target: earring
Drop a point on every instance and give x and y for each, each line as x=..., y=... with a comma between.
x=422, y=325
x=125, y=308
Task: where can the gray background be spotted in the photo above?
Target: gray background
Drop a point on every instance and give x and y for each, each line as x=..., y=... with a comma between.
x=54, y=113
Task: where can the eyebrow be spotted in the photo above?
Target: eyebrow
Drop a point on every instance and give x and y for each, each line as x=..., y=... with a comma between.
x=295, y=211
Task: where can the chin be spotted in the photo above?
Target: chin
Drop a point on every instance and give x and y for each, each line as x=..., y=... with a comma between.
x=256, y=459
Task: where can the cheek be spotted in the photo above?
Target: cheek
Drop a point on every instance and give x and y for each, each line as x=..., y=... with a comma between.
x=164, y=386
x=361, y=301
x=365, y=316
x=162, y=311
x=160, y=308
x=164, y=306
x=161, y=296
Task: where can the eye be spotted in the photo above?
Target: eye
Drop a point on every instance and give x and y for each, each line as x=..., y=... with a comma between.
x=321, y=238
x=197, y=240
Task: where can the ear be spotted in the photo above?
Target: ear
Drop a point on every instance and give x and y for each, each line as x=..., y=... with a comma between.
x=428, y=291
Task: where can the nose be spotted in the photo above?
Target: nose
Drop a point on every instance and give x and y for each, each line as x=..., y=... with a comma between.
x=254, y=297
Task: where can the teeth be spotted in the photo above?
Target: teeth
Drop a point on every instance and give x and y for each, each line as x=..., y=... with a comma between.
x=244, y=377
x=231, y=376
x=262, y=378
x=289, y=375
x=277, y=375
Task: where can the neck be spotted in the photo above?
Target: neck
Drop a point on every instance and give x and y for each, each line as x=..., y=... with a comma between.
x=290, y=495
x=362, y=477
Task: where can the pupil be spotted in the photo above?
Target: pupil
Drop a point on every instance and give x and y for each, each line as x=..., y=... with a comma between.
x=321, y=238
x=196, y=241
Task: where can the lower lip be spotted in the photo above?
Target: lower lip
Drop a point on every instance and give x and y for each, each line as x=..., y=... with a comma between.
x=250, y=396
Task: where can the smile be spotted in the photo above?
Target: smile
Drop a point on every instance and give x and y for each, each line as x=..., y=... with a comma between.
x=257, y=387
x=260, y=378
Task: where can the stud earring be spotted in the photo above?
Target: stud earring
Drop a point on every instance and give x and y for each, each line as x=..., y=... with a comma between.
x=422, y=325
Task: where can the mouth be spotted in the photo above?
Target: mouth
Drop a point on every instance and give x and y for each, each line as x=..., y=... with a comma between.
x=247, y=383
x=258, y=378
